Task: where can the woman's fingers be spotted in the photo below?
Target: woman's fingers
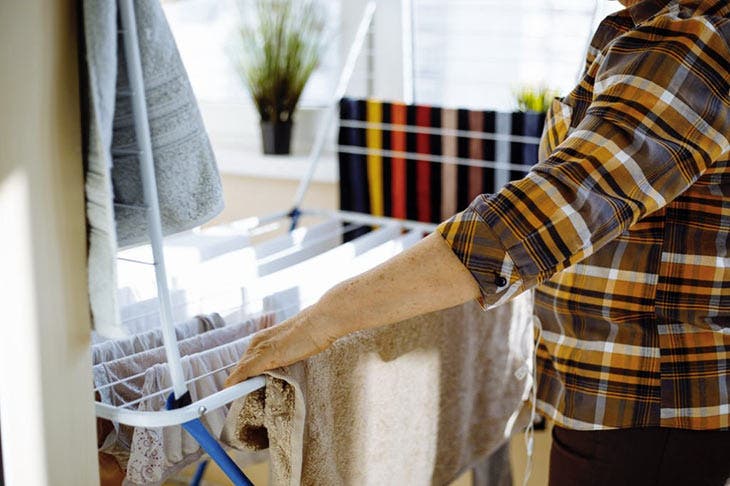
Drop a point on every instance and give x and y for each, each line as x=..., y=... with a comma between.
x=274, y=347
x=259, y=353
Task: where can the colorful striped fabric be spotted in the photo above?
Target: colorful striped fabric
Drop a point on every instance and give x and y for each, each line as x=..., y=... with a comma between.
x=391, y=155
x=623, y=229
x=374, y=139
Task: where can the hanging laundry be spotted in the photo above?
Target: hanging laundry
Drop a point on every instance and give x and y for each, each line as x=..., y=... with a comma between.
x=449, y=172
x=374, y=141
x=401, y=160
x=387, y=144
x=423, y=166
x=474, y=181
x=111, y=350
x=435, y=149
x=400, y=192
x=525, y=124
x=132, y=379
x=354, y=194
x=120, y=381
x=411, y=194
x=188, y=182
x=157, y=453
x=328, y=419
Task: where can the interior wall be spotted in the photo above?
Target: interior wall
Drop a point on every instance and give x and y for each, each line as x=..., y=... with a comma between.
x=252, y=196
x=47, y=414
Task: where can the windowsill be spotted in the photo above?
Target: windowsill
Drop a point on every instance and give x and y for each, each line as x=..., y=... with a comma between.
x=247, y=163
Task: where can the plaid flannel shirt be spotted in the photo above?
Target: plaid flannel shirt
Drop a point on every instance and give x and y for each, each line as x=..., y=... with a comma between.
x=623, y=228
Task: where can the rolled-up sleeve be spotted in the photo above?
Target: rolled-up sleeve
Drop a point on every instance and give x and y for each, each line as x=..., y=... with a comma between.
x=480, y=251
x=657, y=121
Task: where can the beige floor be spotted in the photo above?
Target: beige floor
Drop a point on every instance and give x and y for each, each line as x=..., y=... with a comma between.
x=259, y=473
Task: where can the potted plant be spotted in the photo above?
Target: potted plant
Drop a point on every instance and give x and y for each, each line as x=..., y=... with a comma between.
x=532, y=105
x=280, y=45
x=534, y=99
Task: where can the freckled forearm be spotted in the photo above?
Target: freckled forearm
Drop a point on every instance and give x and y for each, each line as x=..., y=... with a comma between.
x=426, y=278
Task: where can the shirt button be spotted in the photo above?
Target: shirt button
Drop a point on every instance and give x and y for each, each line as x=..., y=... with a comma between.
x=500, y=281
x=521, y=372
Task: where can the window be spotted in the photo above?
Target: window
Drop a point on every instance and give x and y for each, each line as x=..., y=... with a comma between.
x=205, y=32
x=474, y=53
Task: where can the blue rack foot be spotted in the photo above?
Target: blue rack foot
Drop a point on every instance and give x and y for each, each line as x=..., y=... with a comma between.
x=209, y=444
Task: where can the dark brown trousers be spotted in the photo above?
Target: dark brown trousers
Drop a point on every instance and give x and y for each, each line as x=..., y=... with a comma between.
x=642, y=457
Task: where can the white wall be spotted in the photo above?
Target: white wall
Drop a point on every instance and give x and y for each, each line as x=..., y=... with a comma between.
x=48, y=427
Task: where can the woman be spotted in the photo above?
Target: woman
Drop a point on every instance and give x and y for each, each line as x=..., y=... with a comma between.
x=623, y=232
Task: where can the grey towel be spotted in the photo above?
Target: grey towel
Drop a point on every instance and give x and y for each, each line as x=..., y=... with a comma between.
x=188, y=182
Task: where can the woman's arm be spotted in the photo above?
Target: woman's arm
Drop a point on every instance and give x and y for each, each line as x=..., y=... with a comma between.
x=425, y=278
x=647, y=136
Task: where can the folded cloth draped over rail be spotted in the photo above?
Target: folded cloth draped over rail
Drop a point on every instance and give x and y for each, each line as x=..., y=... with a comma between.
x=412, y=161
x=417, y=402
x=188, y=183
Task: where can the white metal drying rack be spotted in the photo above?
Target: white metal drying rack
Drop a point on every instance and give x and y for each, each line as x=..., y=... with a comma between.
x=199, y=408
x=134, y=71
x=223, y=397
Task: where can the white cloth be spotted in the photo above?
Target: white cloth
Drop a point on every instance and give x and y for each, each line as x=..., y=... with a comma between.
x=126, y=374
x=157, y=453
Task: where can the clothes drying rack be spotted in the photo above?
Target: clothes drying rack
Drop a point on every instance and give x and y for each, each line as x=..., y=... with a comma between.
x=180, y=409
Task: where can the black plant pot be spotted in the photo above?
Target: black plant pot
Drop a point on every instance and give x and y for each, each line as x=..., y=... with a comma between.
x=276, y=137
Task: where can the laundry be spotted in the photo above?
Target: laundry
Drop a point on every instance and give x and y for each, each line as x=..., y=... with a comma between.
x=188, y=183
x=134, y=380
x=328, y=419
x=414, y=161
x=158, y=453
x=120, y=381
x=111, y=350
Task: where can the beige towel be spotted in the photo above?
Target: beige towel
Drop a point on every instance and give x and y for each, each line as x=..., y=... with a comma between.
x=418, y=402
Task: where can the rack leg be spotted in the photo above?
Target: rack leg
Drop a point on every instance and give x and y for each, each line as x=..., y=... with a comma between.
x=209, y=443
x=199, y=473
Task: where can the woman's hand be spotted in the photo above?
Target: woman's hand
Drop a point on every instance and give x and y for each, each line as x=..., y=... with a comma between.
x=425, y=278
x=288, y=342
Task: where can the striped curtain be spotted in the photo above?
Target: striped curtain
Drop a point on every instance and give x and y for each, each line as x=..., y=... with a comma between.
x=426, y=163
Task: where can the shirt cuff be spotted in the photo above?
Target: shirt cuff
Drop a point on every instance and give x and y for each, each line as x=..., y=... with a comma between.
x=474, y=243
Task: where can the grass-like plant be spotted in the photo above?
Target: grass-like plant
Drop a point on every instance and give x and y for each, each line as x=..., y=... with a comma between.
x=534, y=98
x=280, y=46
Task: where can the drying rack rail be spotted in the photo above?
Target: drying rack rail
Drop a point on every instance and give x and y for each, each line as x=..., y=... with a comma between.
x=136, y=418
x=179, y=416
